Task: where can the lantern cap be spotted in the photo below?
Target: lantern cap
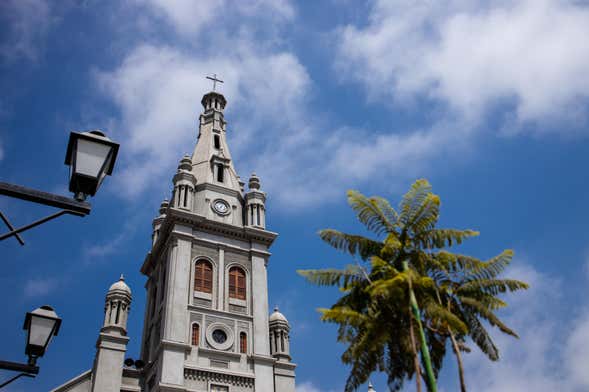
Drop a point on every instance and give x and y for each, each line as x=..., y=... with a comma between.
x=96, y=136
x=45, y=311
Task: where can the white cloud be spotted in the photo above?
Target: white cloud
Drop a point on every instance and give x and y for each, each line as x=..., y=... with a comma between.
x=96, y=252
x=39, y=287
x=158, y=90
x=474, y=57
x=273, y=129
x=27, y=22
x=308, y=386
x=189, y=17
x=549, y=354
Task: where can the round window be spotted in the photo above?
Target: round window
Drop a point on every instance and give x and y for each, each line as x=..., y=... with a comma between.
x=219, y=336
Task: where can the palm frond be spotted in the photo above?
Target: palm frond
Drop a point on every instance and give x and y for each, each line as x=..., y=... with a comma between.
x=481, y=337
x=332, y=276
x=441, y=238
x=426, y=216
x=342, y=315
x=413, y=200
x=352, y=244
x=493, y=267
x=487, y=314
x=492, y=286
x=370, y=214
x=438, y=314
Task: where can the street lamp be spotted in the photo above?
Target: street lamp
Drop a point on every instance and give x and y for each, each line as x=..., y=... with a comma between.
x=41, y=325
x=91, y=157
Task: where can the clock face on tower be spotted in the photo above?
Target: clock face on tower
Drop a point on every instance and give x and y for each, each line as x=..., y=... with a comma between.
x=221, y=207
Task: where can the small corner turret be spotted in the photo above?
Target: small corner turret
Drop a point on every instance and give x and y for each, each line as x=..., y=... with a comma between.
x=112, y=340
x=157, y=222
x=184, y=185
x=116, y=308
x=279, y=337
x=255, y=201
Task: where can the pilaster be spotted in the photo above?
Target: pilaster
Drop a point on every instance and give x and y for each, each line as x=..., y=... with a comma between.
x=260, y=305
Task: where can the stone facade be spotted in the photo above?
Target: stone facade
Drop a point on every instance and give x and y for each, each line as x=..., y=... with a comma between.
x=206, y=325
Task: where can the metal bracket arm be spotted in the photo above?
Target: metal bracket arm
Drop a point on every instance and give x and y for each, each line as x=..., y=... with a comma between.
x=37, y=223
x=49, y=199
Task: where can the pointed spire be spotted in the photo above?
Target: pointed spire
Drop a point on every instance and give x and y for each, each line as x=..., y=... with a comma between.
x=370, y=388
x=211, y=159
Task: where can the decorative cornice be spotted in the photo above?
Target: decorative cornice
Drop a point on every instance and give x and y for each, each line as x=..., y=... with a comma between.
x=218, y=188
x=219, y=353
x=285, y=365
x=112, y=342
x=225, y=377
x=169, y=344
x=263, y=359
x=164, y=387
x=221, y=313
x=201, y=223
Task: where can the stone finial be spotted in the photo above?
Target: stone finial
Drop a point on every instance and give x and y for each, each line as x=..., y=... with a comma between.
x=370, y=387
x=254, y=182
x=185, y=163
x=164, y=206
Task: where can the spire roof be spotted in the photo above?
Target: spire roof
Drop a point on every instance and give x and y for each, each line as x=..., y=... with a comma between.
x=212, y=151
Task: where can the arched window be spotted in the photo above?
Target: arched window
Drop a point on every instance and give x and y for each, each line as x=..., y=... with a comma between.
x=195, y=334
x=236, y=283
x=217, y=141
x=203, y=276
x=242, y=343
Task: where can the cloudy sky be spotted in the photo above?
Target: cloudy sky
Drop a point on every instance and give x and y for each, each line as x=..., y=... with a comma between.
x=487, y=100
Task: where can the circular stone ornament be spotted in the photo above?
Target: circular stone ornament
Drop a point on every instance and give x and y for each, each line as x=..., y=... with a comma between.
x=219, y=336
x=220, y=206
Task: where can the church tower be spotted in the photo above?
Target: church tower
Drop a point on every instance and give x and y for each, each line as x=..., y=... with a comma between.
x=206, y=325
x=112, y=340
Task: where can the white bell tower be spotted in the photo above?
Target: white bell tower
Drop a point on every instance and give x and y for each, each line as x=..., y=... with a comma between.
x=206, y=325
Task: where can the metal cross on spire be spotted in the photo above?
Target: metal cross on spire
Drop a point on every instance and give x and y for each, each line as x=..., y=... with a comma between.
x=215, y=80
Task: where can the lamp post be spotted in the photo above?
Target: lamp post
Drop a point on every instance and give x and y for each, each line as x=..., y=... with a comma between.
x=91, y=157
x=42, y=324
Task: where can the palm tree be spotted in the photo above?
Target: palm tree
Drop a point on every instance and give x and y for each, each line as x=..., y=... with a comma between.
x=469, y=287
x=379, y=314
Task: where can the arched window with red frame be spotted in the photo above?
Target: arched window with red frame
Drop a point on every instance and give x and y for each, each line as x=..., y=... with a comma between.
x=195, y=334
x=203, y=276
x=242, y=343
x=237, y=283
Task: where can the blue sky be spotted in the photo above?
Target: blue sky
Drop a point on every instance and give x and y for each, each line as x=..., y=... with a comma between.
x=487, y=100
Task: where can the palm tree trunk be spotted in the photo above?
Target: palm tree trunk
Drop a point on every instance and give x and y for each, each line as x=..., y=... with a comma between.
x=425, y=358
x=415, y=356
x=459, y=360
